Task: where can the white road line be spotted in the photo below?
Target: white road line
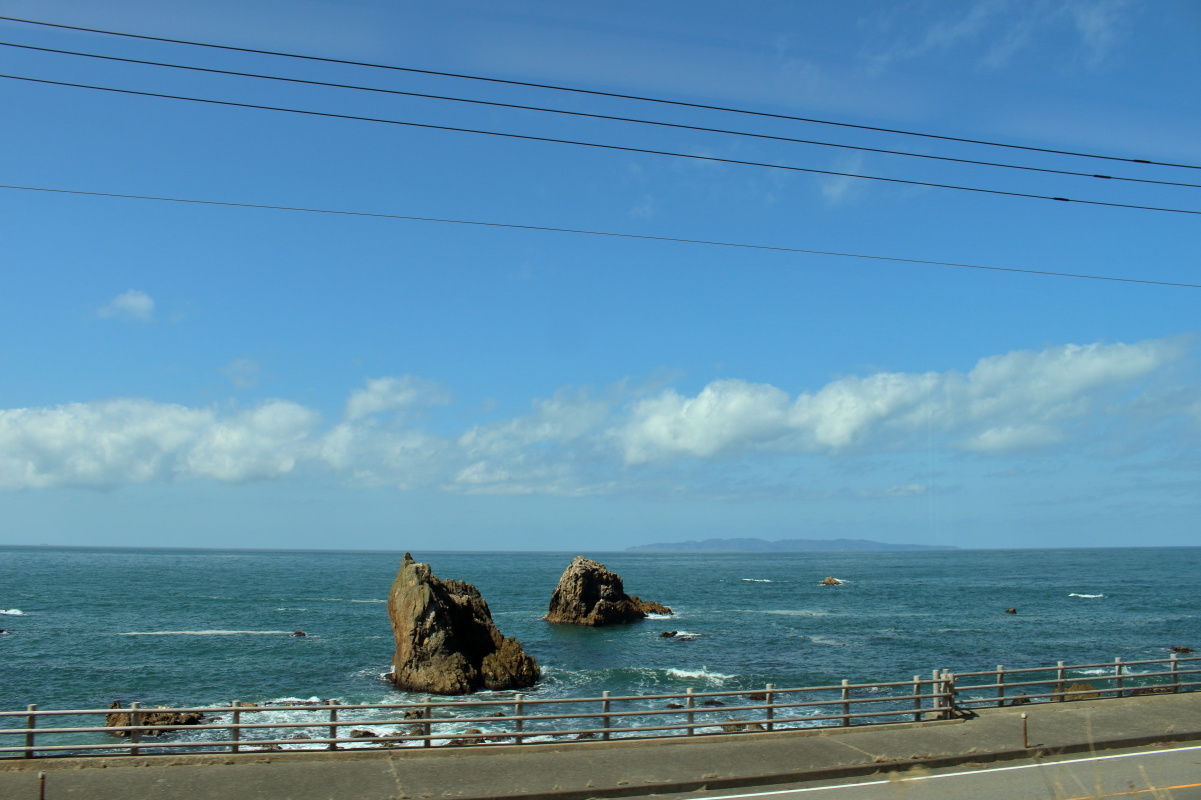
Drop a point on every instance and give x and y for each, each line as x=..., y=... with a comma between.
x=955, y=774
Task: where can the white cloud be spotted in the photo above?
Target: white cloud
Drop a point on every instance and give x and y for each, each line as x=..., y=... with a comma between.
x=574, y=443
x=1016, y=401
x=997, y=30
x=394, y=394
x=114, y=442
x=131, y=305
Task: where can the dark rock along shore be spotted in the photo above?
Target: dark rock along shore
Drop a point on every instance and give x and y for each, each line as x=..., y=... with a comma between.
x=589, y=594
x=446, y=642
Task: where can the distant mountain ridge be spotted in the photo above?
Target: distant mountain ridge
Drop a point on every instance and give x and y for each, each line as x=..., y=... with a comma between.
x=779, y=546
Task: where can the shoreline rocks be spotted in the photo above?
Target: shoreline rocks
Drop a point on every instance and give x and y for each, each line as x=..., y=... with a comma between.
x=589, y=594
x=446, y=642
x=150, y=717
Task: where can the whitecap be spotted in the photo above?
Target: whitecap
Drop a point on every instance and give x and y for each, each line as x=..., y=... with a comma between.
x=796, y=612
x=758, y=580
x=702, y=673
x=206, y=633
x=13, y=612
x=660, y=616
x=1073, y=594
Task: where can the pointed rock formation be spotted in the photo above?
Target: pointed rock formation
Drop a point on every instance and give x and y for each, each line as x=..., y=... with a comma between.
x=446, y=642
x=589, y=594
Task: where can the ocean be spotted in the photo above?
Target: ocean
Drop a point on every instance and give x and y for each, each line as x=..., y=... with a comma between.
x=89, y=626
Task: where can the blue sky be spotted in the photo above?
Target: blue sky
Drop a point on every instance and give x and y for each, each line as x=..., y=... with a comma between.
x=197, y=375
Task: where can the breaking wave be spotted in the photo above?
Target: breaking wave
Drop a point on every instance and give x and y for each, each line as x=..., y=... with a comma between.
x=12, y=612
x=206, y=633
x=1073, y=594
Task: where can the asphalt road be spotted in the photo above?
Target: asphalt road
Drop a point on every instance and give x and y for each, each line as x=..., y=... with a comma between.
x=1158, y=773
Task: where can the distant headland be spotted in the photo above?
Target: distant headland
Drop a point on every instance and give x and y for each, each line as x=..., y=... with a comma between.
x=779, y=546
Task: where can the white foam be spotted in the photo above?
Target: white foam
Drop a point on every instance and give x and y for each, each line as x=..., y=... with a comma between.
x=659, y=616
x=758, y=580
x=291, y=609
x=206, y=633
x=796, y=612
x=1073, y=594
x=824, y=640
x=702, y=673
x=13, y=612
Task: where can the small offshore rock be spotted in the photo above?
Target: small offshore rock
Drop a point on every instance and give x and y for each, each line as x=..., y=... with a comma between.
x=362, y=733
x=667, y=634
x=1182, y=649
x=589, y=594
x=673, y=705
x=1011, y=611
x=757, y=696
x=299, y=635
x=712, y=702
x=414, y=713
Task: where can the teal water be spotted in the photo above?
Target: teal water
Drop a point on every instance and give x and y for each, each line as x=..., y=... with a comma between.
x=190, y=628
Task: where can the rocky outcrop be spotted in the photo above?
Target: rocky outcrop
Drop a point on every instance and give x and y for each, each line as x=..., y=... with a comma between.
x=150, y=717
x=446, y=642
x=589, y=594
x=832, y=581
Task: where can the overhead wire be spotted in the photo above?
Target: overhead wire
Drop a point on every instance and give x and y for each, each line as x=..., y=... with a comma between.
x=598, y=93
x=590, y=115
x=609, y=234
x=602, y=146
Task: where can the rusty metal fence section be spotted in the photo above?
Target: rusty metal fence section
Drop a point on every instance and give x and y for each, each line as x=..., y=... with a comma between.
x=524, y=719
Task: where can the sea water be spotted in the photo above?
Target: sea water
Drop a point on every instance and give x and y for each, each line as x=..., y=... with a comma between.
x=89, y=626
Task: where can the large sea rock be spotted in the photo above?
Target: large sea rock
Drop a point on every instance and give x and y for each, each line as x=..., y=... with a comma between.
x=446, y=642
x=590, y=594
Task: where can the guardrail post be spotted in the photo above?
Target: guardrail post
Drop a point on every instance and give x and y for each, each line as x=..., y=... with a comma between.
x=235, y=731
x=769, y=696
x=135, y=719
x=429, y=726
x=846, y=705
x=948, y=686
x=936, y=694
x=519, y=723
x=31, y=722
x=1000, y=685
x=605, y=723
x=1117, y=674
x=333, y=726
x=691, y=706
x=1175, y=662
x=917, y=698
x=1059, y=683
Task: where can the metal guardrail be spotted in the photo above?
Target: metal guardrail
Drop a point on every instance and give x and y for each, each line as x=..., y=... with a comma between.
x=242, y=727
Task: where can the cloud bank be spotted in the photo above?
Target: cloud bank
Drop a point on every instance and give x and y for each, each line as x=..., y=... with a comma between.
x=576, y=443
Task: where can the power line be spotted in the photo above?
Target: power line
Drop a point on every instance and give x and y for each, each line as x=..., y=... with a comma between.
x=600, y=146
x=585, y=232
x=521, y=107
x=596, y=93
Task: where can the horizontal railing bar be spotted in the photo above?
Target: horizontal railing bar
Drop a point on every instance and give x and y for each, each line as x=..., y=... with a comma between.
x=455, y=720
x=1104, y=664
